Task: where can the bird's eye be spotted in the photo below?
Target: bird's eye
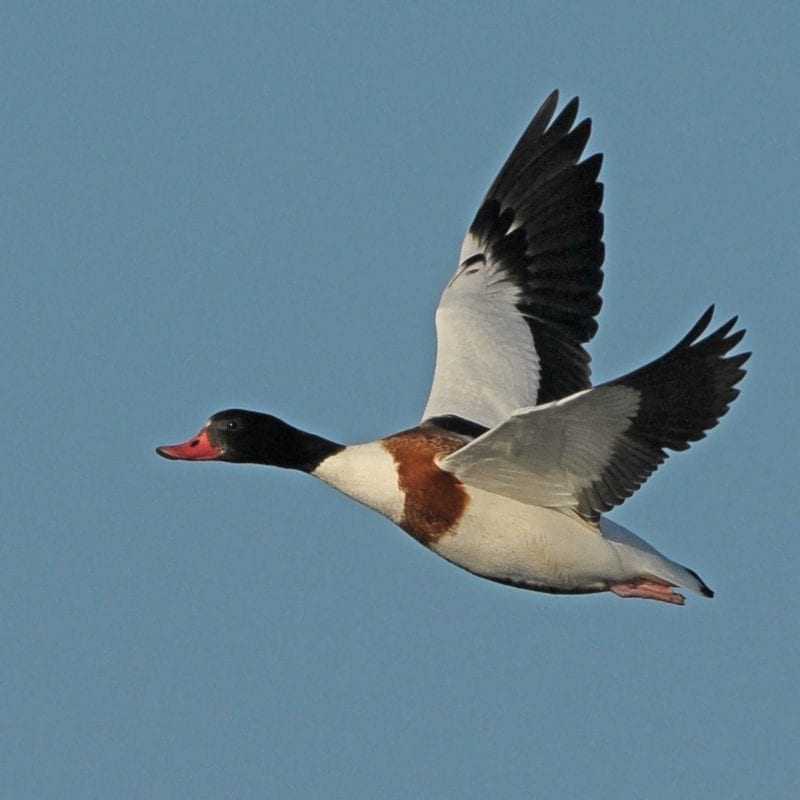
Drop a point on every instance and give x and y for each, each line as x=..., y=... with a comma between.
x=233, y=425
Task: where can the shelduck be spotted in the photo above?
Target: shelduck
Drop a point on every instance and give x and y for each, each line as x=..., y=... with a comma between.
x=518, y=457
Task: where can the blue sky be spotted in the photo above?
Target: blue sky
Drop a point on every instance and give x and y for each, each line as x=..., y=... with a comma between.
x=259, y=206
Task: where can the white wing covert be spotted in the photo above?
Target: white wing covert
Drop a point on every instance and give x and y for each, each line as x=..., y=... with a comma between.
x=512, y=322
x=587, y=453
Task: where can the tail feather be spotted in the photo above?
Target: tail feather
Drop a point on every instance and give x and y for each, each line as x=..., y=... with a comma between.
x=644, y=561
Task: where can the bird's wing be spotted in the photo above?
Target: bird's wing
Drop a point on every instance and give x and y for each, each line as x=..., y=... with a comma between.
x=512, y=322
x=588, y=452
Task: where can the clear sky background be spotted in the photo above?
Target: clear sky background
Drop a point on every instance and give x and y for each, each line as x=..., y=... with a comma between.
x=258, y=205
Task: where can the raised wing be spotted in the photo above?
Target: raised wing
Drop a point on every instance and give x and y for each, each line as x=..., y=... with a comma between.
x=512, y=321
x=589, y=452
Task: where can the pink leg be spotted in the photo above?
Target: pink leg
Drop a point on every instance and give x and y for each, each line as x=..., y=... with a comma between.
x=648, y=589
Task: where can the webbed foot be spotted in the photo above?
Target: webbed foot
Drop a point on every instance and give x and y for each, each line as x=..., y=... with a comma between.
x=648, y=590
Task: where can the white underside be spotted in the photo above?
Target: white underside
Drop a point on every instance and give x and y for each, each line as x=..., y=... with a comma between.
x=510, y=541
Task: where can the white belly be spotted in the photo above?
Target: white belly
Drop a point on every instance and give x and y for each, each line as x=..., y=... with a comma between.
x=511, y=542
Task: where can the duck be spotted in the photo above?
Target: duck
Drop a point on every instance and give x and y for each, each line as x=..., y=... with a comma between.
x=518, y=458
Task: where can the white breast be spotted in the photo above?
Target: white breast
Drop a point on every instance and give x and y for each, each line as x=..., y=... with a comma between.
x=368, y=474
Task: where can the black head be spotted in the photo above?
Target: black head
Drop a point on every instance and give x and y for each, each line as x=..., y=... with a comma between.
x=249, y=437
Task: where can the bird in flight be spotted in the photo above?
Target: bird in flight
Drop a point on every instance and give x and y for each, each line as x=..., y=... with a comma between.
x=517, y=457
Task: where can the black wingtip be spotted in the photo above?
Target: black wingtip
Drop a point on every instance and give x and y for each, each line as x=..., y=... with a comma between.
x=541, y=119
x=571, y=108
x=723, y=333
x=698, y=328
